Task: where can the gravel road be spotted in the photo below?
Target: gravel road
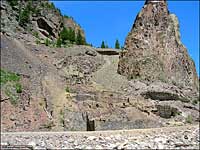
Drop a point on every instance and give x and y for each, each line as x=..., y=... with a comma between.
x=183, y=137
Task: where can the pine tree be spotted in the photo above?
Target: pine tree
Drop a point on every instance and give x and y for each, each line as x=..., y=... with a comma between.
x=103, y=45
x=72, y=36
x=79, y=39
x=117, y=45
x=64, y=35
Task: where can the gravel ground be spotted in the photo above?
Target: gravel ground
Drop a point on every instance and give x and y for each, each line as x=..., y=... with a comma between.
x=184, y=137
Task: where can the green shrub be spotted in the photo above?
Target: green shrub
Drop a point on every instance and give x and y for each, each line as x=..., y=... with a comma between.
x=67, y=89
x=11, y=85
x=79, y=39
x=195, y=101
x=37, y=41
x=12, y=97
x=64, y=35
x=8, y=76
x=72, y=36
x=36, y=11
x=189, y=119
x=66, y=16
x=24, y=17
x=18, y=88
x=36, y=34
x=47, y=42
x=52, y=6
x=13, y=2
x=58, y=42
x=67, y=34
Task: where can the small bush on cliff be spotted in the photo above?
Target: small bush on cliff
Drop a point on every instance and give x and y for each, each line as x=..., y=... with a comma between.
x=67, y=89
x=195, y=101
x=66, y=16
x=18, y=88
x=13, y=2
x=189, y=119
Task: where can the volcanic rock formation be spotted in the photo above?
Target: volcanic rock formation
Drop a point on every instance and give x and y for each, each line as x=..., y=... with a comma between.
x=153, y=50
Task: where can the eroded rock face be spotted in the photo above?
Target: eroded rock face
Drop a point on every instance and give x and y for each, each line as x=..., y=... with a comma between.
x=153, y=50
x=70, y=23
x=44, y=19
x=42, y=24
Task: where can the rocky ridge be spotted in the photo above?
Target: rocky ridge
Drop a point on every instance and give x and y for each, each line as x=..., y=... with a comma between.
x=153, y=50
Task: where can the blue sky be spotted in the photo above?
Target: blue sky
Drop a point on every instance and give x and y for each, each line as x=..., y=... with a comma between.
x=111, y=20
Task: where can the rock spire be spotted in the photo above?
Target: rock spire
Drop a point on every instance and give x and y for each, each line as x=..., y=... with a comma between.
x=153, y=50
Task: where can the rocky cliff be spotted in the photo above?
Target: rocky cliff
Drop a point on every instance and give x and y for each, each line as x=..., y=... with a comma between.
x=153, y=50
x=40, y=18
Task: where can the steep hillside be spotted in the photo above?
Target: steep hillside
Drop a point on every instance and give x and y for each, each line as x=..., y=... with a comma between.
x=39, y=18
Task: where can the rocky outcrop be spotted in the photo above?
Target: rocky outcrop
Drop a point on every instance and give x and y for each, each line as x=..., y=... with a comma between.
x=153, y=50
x=69, y=22
x=42, y=18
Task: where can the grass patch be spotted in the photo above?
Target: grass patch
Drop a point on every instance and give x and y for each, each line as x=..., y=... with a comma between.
x=18, y=88
x=13, y=97
x=11, y=85
x=8, y=76
x=36, y=34
x=62, y=121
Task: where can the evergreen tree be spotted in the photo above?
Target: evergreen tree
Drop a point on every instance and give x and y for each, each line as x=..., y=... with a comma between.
x=79, y=39
x=103, y=45
x=117, y=45
x=64, y=35
x=72, y=36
